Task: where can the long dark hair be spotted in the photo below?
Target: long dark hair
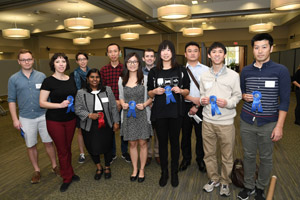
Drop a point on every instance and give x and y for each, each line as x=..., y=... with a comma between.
x=125, y=73
x=100, y=86
x=166, y=44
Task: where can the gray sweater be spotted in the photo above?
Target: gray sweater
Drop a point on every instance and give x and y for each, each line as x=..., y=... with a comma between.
x=85, y=102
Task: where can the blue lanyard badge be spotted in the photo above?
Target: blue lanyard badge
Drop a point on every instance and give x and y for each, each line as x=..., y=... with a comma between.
x=214, y=106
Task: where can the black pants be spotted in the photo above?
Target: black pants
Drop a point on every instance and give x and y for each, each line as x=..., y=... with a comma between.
x=107, y=158
x=297, y=110
x=168, y=129
x=187, y=127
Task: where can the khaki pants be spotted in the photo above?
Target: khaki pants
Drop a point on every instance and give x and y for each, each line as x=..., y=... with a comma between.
x=225, y=134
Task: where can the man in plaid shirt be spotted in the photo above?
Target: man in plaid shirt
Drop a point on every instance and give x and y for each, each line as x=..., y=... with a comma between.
x=110, y=74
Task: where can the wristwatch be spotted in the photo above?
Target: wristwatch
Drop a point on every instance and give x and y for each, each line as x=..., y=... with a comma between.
x=196, y=106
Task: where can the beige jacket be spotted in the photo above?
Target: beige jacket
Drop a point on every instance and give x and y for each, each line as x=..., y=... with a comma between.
x=225, y=86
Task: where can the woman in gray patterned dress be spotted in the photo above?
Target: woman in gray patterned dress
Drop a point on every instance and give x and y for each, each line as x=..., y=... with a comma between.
x=135, y=127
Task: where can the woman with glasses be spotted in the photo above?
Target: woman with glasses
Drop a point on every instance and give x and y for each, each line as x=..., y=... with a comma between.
x=168, y=84
x=60, y=90
x=79, y=76
x=135, y=127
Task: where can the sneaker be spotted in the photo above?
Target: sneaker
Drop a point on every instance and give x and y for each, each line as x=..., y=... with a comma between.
x=245, y=193
x=81, y=158
x=126, y=156
x=259, y=194
x=114, y=157
x=224, y=190
x=209, y=187
x=56, y=171
x=36, y=177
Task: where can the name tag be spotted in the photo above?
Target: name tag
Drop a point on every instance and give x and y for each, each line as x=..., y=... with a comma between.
x=104, y=100
x=38, y=86
x=208, y=85
x=270, y=84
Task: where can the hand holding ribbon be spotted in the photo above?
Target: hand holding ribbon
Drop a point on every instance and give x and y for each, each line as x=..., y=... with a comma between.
x=214, y=106
x=256, y=102
x=22, y=133
x=101, y=122
x=71, y=104
x=131, y=110
x=169, y=95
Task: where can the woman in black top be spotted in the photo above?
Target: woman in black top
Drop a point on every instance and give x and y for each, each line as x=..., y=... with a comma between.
x=60, y=116
x=296, y=82
x=168, y=84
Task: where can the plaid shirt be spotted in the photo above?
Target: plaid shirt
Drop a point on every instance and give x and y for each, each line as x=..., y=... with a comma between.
x=110, y=77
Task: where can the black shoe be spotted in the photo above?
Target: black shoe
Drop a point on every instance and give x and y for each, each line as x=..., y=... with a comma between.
x=133, y=178
x=148, y=162
x=202, y=166
x=174, y=179
x=114, y=157
x=126, y=157
x=245, y=193
x=98, y=175
x=259, y=194
x=184, y=165
x=75, y=178
x=107, y=173
x=164, y=178
x=64, y=187
x=141, y=179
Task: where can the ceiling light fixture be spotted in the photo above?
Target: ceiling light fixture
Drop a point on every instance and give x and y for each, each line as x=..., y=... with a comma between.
x=79, y=24
x=16, y=33
x=284, y=5
x=192, y=32
x=129, y=36
x=195, y=2
x=81, y=41
x=174, y=12
x=261, y=28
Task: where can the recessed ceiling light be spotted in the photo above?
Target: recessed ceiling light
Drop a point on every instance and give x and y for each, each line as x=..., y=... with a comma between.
x=59, y=9
x=204, y=1
x=203, y=23
x=56, y=20
x=32, y=24
x=195, y=2
x=1, y=52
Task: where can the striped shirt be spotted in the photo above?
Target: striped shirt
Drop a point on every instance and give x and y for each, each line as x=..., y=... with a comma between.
x=273, y=82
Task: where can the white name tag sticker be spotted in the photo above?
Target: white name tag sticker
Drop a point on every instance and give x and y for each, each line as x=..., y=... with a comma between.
x=208, y=85
x=104, y=100
x=38, y=86
x=270, y=84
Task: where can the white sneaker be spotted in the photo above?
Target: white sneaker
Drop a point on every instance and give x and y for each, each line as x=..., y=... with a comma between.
x=209, y=187
x=224, y=190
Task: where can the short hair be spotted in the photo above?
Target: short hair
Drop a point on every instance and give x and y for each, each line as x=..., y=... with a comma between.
x=125, y=73
x=148, y=50
x=111, y=44
x=23, y=51
x=54, y=57
x=163, y=45
x=262, y=36
x=217, y=45
x=81, y=53
x=192, y=43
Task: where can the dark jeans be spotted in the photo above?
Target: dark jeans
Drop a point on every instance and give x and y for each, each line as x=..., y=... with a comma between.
x=124, y=145
x=168, y=129
x=297, y=110
x=187, y=128
x=107, y=158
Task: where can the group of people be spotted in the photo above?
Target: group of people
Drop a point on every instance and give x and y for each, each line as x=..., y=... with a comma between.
x=155, y=101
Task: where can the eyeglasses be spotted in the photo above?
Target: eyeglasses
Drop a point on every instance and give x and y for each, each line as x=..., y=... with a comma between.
x=26, y=60
x=82, y=59
x=132, y=62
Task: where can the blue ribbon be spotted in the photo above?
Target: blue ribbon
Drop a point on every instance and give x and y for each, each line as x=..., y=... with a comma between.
x=131, y=110
x=169, y=95
x=256, y=102
x=71, y=104
x=22, y=133
x=214, y=106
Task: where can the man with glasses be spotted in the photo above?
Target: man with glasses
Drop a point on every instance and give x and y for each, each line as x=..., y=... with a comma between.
x=24, y=87
x=110, y=74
